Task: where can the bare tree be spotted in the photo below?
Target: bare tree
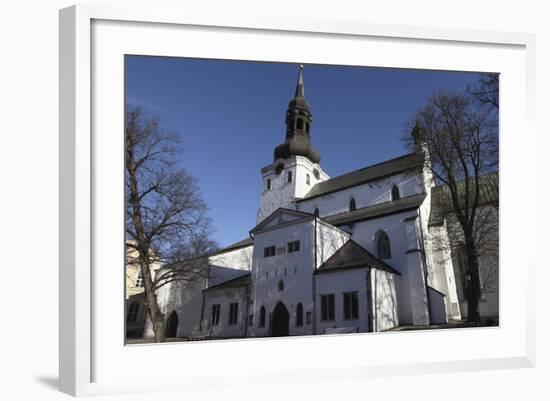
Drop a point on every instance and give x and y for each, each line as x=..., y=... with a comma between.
x=165, y=214
x=460, y=141
x=486, y=91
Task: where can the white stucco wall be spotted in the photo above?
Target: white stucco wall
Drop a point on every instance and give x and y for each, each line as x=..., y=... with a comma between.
x=329, y=240
x=368, y=194
x=236, y=259
x=224, y=297
x=282, y=192
x=294, y=269
x=386, y=315
x=338, y=283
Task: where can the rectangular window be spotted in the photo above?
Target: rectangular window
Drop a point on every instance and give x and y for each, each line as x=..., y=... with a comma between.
x=289, y=176
x=269, y=251
x=268, y=184
x=293, y=246
x=139, y=280
x=215, y=317
x=351, y=305
x=233, y=313
x=308, y=318
x=327, y=307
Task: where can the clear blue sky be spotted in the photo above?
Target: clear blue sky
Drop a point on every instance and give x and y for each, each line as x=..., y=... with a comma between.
x=231, y=115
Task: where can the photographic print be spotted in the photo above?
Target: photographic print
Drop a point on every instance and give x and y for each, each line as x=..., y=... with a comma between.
x=281, y=199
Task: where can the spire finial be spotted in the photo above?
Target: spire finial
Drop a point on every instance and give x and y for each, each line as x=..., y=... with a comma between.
x=300, y=84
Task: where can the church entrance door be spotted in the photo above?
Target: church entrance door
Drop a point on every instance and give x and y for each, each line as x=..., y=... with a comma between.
x=279, y=321
x=171, y=328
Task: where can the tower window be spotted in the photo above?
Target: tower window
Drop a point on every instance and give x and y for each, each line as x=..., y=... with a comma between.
x=280, y=285
x=268, y=184
x=307, y=179
x=289, y=176
x=352, y=205
x=316, y=212
x=383, y=246
x=299, y=124
x=307, y=127
x=395, y=193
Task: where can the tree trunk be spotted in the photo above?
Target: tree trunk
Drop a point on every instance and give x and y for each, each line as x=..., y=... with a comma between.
x=153, y=309
x=474, y=292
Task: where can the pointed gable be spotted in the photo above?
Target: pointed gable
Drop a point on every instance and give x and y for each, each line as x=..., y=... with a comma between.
x=352, y=255
x=279, y=217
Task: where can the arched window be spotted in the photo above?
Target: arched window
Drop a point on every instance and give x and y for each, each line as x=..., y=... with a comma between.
x=383, y=246
x=262, y=317
x=352, y=205
x=281, y=285
x=316, y=212
x=299, y=124
x=307, y=179
x=299, y=315
x=395, y=193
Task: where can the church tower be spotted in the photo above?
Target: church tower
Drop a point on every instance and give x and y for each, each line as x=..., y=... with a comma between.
x=295, y=168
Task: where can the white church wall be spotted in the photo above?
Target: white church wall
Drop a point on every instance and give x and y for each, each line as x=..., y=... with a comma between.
x=224, y=297
x=236, y=259
x=329, y=240
x=385, y=300
x=368, y=194
x=365, y=232
x=293, y=269
x=338, y=283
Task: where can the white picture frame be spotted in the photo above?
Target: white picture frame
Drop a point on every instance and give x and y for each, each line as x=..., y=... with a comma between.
x=91, y=349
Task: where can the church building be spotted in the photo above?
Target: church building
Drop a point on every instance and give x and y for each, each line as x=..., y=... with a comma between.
x=343, y=254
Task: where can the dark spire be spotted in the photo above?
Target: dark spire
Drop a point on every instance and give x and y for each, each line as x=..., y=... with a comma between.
x=298, y=124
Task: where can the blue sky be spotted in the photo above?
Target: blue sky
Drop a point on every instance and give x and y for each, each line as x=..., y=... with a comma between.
x=231, y=115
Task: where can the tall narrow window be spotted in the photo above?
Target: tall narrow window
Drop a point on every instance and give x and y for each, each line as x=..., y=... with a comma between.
x=289, y=176
x=307, y=127
x=307, y=179
x=133, y=311
x=268, y=184
x=351, y=305
x=383, y=245
x=352, y=205
x=262, y=317
x=215, y=316
x=299, y=315
x=395, y=193
x=233, y=313
x=327, y=307
x=281, y=285
x=299, y=124
x=316, y=212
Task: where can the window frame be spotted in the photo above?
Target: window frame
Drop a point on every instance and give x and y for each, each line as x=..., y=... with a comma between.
x=215, y=314
x=233, y=313
x=352, y=205
x=268, y=249
x=328, y=305
x=383, y=245
x=293, y=246
x=299, y=315
x=348, y=310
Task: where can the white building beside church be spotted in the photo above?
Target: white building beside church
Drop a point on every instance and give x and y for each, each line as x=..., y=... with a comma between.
x=328, y=254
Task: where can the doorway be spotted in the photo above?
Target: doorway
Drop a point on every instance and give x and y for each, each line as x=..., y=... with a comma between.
x=171, y=329
x=279, y=321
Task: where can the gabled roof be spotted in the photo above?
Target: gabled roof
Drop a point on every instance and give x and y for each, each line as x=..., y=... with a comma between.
x=366, y=174
x=265, y=222
x=351, y=256
x=381, y=209
x=442, y=205
x=240, y=281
